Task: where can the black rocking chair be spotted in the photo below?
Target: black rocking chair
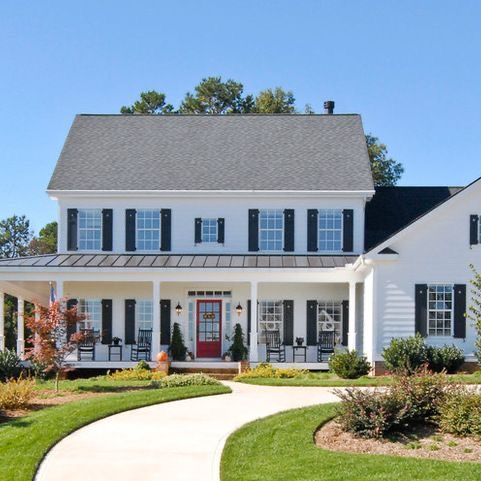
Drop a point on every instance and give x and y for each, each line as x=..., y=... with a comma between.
x=325, y=345
x=274, y=346
x=143, y=347
x=86, y=346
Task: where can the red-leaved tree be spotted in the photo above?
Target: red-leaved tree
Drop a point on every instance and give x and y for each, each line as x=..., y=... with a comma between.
x=50, y=344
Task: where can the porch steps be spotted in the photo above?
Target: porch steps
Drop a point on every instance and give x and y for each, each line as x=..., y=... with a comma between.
x=222, y=374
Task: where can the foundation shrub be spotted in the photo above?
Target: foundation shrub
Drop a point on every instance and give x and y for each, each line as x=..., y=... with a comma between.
x=349, y=364
x=445, y=358
x=141, y=372
x=16, y=393
x=406, y=355
x=266, y=370
x=10, y=366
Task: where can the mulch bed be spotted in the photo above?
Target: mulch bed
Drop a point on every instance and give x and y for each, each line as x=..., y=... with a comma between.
x=423, y=442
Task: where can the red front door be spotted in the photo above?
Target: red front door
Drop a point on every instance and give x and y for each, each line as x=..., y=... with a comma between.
x=209, y=327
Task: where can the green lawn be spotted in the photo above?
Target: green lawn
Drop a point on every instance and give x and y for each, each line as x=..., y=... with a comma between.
x=326, y=379
x=93, y=384
x=281, y=447
x=24, y=441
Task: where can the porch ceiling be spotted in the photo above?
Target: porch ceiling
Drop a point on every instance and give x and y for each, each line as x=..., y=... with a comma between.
x=153, y=261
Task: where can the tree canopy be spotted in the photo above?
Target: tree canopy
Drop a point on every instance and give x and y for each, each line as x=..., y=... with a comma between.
x=46, y=242
x=385, y=170
x=15, y=236
x=218, y=97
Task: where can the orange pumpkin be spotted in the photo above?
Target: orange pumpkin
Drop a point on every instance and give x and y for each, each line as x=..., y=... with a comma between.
x=162, y=356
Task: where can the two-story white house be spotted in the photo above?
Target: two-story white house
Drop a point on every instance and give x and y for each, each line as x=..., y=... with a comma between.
x=270, y=221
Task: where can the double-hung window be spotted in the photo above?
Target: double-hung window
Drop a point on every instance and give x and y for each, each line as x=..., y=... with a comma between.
x=329, y=318
x=148, y=230
x=271, y=230
x=92, y=310
x=90, y=229
x=440, y=309
x=209, y=230
x=271, y=317
x=330, y=230
x=145, y=314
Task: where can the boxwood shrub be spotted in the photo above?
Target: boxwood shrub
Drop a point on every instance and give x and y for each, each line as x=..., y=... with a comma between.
x=349, y=364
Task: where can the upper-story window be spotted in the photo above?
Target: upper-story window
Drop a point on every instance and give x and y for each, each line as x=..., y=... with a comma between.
x=89, y=229
x=330, y=230
x=148, y=230
x=92, y=310
x=271, y=230
x=440, y=309
x=209, y=230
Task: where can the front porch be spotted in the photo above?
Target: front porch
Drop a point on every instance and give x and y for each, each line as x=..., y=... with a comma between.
x=207, y=303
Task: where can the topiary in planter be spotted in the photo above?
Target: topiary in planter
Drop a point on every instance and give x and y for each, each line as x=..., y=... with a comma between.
x=177, y=349
x=238, y=349
x=349, y=364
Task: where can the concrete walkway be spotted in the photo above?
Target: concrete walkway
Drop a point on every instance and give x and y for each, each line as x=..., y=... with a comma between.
x=180, y=440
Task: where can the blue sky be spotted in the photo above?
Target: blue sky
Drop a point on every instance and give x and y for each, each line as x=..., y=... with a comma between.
x=411, y=68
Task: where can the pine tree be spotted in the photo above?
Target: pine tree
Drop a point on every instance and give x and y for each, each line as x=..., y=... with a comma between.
x=177, y=349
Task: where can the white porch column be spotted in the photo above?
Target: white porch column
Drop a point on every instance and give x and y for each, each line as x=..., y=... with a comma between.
x=253, y=350
x=156, y=318
x=59, y=290
x=2, y=321
x=351, y=337
x=20, y=327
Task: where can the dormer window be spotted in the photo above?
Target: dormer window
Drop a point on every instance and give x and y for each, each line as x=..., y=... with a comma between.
x=148, y=230
x=271, y=229
x=90, y=229
x=330, y=230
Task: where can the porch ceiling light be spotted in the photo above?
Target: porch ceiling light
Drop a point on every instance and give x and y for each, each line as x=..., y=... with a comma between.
x=239, y=309
x=178, y=309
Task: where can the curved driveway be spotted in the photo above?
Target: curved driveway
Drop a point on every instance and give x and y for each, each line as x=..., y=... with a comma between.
x=180, y=440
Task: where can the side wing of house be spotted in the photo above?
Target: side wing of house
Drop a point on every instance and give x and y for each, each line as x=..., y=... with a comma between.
x=420, y=277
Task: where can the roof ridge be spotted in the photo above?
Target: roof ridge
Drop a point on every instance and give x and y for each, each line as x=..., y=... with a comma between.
x=230, y=115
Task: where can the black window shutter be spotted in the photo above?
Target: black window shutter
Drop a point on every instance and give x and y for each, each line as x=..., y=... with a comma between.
x=107, y=226
x=312, y=223
x=220, y=230
x=311, y=326
x=460, y=311
x=474, y=230
x=288, y=323
x=289, y=230
x=72, y=221
x=166, y=234
x=130, y=216
x=71, y=327
x=348, y=230
x=249, y=320
x=198, y=230
x=421, y=309
x=165, y=321
x=106, y=321
x=345, y=322
x=253, y=230
x=129, y=321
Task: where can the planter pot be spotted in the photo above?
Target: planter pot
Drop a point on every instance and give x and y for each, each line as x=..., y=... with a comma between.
x=163, y=366
x=227, y=359
x=243, y=366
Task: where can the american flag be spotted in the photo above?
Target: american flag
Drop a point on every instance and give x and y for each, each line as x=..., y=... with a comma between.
x=52, y=294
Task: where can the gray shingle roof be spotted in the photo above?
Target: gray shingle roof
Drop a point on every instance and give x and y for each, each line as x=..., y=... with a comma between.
x=69, y=261
x=230, y=152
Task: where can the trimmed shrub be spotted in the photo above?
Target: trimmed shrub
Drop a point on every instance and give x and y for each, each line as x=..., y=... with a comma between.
x=410, y=400
x=142, y=365
x=406, y=355
x=238, y=349
x=349, y=364
x=16, y=393
x=183, y=380
x=267, y=371
x=460, y=414
x=10, y=367
x=445, y=358
x=368, y=414
x=177, y=348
